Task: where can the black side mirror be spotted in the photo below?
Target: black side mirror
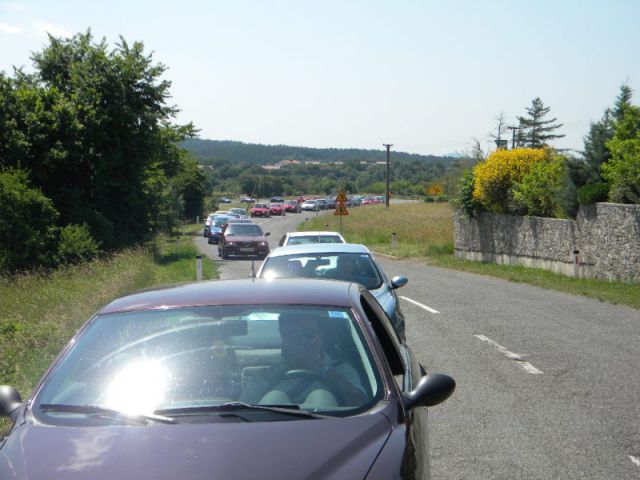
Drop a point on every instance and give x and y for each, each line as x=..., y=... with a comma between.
x=267, y=234
x=430, y=390
x=398, y=281
x=10, y=401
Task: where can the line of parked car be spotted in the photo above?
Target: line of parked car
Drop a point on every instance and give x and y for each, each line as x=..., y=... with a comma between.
x=198, y=378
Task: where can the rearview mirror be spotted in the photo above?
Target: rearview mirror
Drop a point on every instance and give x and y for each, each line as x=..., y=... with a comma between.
x=430, y=390
x=10, y=400
x=398, y=281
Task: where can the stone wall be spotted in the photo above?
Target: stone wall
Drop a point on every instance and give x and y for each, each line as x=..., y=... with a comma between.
x=603, y=242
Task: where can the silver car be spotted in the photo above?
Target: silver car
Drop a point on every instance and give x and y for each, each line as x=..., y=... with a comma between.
x=338, y=261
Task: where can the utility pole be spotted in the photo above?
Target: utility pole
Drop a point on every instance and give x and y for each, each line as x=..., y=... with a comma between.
x=388, y=146
x=513, y=142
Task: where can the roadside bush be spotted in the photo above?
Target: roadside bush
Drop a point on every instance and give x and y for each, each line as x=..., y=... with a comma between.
x=76, y=244
x=595, y=192
x=495, y=177
x=27, y=228
x=623, y=171
x=538, y=193
x=465, y=200
x=523, y=181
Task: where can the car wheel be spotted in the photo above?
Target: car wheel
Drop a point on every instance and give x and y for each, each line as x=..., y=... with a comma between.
x=224, y=255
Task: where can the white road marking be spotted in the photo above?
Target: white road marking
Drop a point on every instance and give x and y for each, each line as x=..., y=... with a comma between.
x=526, y=366
x=635, y=460
x=428, y=309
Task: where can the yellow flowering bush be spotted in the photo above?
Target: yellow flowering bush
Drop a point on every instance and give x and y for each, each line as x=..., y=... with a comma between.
x=496, y=177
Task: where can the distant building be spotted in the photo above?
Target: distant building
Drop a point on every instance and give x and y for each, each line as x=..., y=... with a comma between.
x=271, y=167
x=284, y=163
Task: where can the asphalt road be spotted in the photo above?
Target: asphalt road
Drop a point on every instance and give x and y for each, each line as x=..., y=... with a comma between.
x=548, y=383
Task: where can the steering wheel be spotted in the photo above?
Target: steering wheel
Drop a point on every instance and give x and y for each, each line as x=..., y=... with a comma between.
x=310, y=376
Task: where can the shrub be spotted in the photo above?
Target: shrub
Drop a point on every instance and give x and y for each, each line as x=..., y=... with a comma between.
x=539, y=190
x=465, y=200
x=592, y=193
x=76, y=244
x=523, y=181
x=27, y=224
x=495, y=177
x=623, y=170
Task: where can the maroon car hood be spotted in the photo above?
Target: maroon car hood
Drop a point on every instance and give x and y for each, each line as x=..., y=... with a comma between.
x=340, y=448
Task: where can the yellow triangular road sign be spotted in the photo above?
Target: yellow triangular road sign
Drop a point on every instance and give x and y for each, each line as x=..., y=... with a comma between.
x=341, y=210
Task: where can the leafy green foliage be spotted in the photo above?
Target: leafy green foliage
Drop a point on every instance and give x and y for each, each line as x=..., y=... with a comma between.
x=92, y=129
x=592, y=193
x=465, y=200
x=76, y=244
x=623, y=169
x=538, y=192
x=27, y=229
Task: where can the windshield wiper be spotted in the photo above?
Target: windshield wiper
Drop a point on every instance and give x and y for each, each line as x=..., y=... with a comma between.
x=292, y=410
x=105, y=412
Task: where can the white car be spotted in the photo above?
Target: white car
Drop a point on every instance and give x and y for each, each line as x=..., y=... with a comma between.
x=338, y=261
x=302, y=238
x=310, y=206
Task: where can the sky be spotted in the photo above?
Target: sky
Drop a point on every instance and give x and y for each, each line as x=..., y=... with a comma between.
x=427, y=76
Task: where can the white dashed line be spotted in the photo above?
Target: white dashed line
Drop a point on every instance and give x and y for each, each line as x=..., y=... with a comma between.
x=526, y=366
x=635, y=460
x=428, y=309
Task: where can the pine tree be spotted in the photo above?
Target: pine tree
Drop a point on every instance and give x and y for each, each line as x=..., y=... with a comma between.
x=536, y=132
x=622, y=101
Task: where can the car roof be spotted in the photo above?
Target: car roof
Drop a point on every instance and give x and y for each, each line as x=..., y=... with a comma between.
x=298, y=291
x=313, y=233
x=320, y=248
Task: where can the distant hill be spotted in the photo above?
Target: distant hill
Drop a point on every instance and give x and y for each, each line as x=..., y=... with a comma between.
x=239, y=152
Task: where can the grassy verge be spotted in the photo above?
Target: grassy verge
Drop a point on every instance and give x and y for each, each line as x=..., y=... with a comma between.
x=425, y=232
x=39, y=312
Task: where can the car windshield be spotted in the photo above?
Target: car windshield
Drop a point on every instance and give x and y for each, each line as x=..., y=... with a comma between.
x=219, y=221
x=351, y=267
x=303, y=240
x=182, y=359
x=261, y=205
x=248, y=229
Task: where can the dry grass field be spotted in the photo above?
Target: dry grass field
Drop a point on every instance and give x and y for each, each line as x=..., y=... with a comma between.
x=422, y=229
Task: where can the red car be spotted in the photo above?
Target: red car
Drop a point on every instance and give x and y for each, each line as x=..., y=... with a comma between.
x=291, y=206
x=260, y=210
x=276, y=209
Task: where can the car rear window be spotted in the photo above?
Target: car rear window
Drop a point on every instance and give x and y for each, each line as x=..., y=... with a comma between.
x=329, y=266
x=248, y=229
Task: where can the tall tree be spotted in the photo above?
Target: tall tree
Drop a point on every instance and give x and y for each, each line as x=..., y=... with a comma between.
x=103, y=132
x=623, y=101
x=536, y=131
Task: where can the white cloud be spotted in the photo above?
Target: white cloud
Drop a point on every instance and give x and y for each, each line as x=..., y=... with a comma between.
x=42, y=28
x=10, y=29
